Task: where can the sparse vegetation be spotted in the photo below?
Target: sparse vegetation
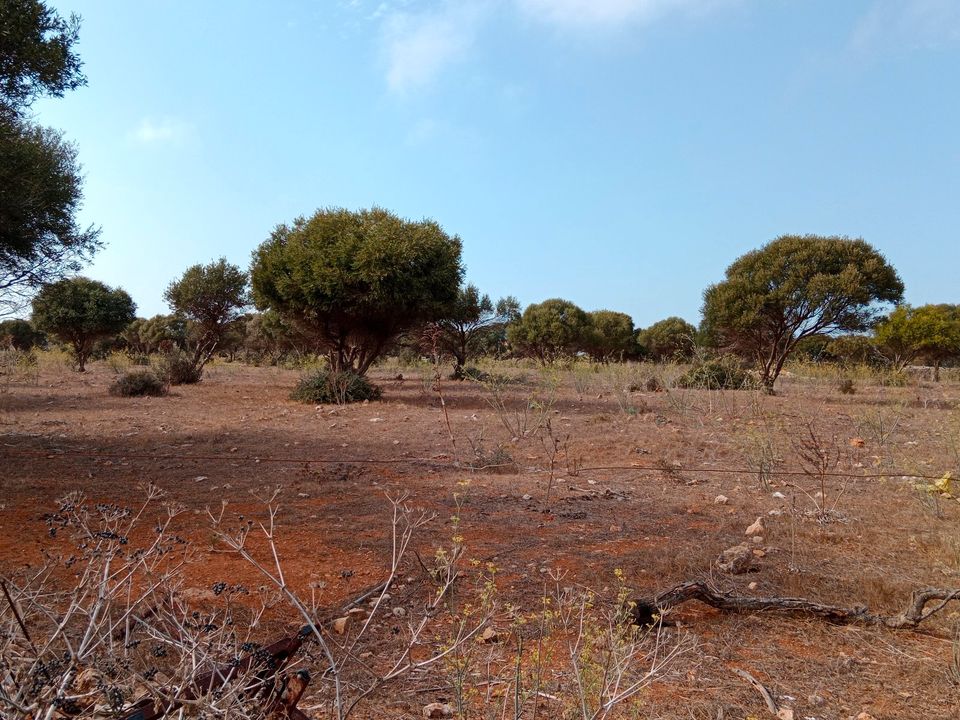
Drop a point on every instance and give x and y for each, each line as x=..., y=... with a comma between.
x=330, y=386
x=138, y=383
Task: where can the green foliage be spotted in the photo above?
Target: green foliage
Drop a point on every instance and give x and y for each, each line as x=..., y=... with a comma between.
x=357, y=280
x=40, y=239
x=138, y=383
x=721, y=372
x=610, y=336
x=931, y=332
x=79, y=312
x=212, y=297
x=40, y=193
x=176, y=367
x=796, y=287
x=20, y=335
x=332, y=386
x=670, y=339
x=36, y=52
x=549, y=330
x=851, y=350
x=271, y=338
x=147, y=336
x=467, y=326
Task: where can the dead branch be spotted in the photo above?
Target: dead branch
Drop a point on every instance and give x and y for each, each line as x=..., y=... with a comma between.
x=908, y=619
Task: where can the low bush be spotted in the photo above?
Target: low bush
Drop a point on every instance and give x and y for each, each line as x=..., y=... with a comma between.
x=846, y=387
x=326, y=386
x=723, y=372
x=138, y=383
x=177, y=368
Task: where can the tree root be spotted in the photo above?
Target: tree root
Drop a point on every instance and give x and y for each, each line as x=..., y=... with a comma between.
x=908, y=619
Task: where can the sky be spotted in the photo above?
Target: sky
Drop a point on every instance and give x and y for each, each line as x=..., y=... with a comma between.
x=616, y=153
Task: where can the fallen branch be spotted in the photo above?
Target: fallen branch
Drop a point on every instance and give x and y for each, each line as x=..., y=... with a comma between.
x=908, y=619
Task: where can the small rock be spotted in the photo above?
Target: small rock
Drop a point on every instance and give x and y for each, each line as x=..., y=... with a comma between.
x=815, y=700
x=758, y=539
x=357, y=613
x=775, y=513
x=857, y=442
x=399, y=612
x=721, y=500
x=737, y=560
x=437, y=710
x=756, y=528
x=527, y=497
x=752, y=586
x=341, y=624
x=779, y=495
x=615, y=528
x=759, y=553
x=489, y=635
x=865, y=716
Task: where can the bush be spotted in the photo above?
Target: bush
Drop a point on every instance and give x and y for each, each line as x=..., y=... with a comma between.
x=177, y=368
x=715, y=373
x=847, y=387
x=327, y=386
x=137, y=384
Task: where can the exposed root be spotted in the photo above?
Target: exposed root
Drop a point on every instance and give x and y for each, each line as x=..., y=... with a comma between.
x=908, y=619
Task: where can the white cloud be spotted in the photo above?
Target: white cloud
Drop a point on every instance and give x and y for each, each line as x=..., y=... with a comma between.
x=162, y=130
x=420, y=45
x=908, y=24
x=576, y=14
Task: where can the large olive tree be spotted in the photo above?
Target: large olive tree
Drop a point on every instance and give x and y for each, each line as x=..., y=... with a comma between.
x=930, y=332
x=549, y=330
x=79, y=311
x=463, y=332
x=212, y=297
x=40, y=178
x=357, y=280
x=792, y=288
x=610, y=336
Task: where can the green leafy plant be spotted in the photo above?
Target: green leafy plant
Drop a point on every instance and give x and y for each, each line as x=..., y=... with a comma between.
x=138, y=383
x=331, y=386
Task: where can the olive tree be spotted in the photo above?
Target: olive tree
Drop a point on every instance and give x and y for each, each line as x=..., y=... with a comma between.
x=549, y=330
x=79, y=311
x=670, y=339
x=471, y=318
x=357, y=280
x=931, y=332
x=610, y=336
x=40, y=178
x=795, y=287
x=212, y=297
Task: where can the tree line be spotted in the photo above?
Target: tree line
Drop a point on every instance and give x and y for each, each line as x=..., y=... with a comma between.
x=355, y=285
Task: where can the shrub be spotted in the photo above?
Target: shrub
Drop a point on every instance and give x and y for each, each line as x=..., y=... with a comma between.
x=177, y=368
x=137, y=384
x=327, y=386
x=724, y=372
x=847, y=387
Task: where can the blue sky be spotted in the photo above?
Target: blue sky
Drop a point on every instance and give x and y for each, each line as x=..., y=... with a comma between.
x=617, y=153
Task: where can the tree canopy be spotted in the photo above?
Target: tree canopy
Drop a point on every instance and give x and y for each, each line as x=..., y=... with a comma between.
x=610, y=336
x=212, y=297
x=36, y=52
x=40, y=182
x=549, y=330
x=465, y=327
x=357, y=280
x=40, y=195
x=670, y=339
x=931, y=332
x=794, y=287
x=79, y=312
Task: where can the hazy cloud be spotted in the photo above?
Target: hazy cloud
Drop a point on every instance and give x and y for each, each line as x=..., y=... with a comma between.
x=907, y=24
x=419, y=45
x=576, y=14
x=162, y=130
